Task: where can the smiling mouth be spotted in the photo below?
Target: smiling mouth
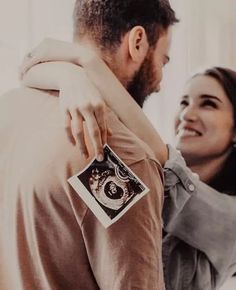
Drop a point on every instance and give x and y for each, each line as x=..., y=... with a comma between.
x=187, y=132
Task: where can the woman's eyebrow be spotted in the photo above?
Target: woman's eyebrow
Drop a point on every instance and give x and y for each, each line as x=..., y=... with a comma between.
x=206, y=96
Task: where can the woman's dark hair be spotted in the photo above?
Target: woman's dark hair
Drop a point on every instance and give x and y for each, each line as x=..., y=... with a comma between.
x=225, y=181
x=227, y=79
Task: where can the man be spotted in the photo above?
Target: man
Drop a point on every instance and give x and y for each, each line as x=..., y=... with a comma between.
x=191, y=207
x=49, y=238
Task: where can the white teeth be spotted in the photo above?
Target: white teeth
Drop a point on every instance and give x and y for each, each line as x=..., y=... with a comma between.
x=187, y=133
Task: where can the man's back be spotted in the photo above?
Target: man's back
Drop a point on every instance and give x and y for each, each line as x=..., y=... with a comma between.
x=49, y=238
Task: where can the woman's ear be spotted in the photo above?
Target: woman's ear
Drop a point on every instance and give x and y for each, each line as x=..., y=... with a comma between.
x=138, y=44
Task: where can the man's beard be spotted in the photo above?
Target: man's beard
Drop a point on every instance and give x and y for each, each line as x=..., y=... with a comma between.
x=142, y=84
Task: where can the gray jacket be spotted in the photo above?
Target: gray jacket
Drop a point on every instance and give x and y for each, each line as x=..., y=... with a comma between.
x=199, y=250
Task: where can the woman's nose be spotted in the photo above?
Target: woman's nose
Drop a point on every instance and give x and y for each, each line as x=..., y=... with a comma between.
x=189, y=114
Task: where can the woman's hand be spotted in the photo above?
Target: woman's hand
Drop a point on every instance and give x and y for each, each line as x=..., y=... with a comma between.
x=80, y=101
x=111, y=90
x=57, y=50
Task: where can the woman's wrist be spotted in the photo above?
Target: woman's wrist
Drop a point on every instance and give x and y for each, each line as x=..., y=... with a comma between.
x=69, y=73
x=84, y=56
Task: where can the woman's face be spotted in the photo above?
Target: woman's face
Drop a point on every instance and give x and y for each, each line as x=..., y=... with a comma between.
x=204, y=124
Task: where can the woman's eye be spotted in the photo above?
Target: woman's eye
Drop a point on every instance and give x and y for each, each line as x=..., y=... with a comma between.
x=209, y=103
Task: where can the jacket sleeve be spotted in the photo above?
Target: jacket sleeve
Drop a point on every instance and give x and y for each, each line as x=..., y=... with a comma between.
x=128, y=254
x=199, y=215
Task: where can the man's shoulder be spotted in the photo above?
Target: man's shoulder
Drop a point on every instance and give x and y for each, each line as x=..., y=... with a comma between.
x=126, y=144
x=25, y=103
x=37, y=132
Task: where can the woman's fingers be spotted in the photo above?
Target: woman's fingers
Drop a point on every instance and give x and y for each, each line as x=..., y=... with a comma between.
x=78, y=131
x=73, y=123
x=109, y=131
x=94, y=132
x=67, y=124
x=100, y=114
x=83, y=101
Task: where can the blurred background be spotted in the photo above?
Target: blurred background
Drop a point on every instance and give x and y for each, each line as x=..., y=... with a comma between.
x=205, y=36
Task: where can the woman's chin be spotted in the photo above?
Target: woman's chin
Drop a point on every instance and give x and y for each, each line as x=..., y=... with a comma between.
x=188, y=148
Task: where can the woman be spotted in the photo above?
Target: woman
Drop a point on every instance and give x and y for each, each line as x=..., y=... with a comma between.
x=206, y=127
x=205, y=135
x=199, y=248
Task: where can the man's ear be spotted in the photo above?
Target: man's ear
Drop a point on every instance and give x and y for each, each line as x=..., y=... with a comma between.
x=138, y=44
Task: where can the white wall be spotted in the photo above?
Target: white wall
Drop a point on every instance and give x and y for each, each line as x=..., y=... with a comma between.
x=206, y=36
x=25, y=23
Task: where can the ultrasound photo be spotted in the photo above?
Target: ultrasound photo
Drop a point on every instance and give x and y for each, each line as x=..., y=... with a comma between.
x=109, y=188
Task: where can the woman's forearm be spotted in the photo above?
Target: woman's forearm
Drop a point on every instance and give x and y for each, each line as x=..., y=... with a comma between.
x=117, y=97
x=50, y=75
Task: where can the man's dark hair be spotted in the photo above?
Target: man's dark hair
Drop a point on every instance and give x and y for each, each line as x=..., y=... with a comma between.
x=106, y=21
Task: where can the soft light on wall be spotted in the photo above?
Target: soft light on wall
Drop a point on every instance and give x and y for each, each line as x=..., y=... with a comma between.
x=205, y=36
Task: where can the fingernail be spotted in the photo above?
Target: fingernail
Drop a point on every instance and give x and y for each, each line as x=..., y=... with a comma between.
x=100, y=157
x=109, y=131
